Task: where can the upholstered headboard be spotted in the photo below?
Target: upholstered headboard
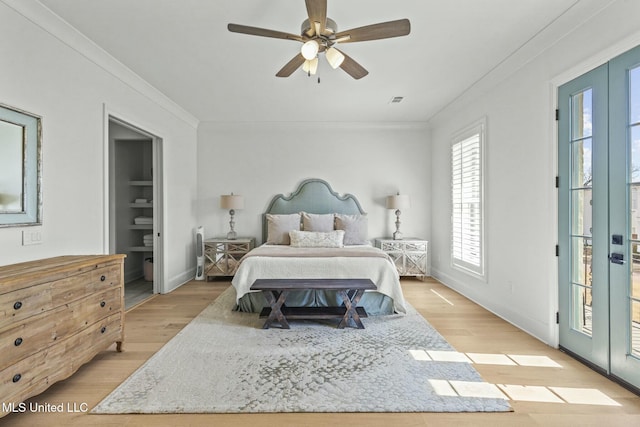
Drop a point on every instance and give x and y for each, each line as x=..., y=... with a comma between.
x=312, y=196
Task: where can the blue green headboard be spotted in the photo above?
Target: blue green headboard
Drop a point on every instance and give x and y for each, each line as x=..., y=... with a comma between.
x=313, y=196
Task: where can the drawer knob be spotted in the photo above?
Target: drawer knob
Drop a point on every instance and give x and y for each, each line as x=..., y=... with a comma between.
x=103, y=278
x=103, y=330
x=17, y=342
x=102, y=304
x=17, y=305
x=16, y=378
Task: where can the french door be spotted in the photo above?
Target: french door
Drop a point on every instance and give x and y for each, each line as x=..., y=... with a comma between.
x=599, y=217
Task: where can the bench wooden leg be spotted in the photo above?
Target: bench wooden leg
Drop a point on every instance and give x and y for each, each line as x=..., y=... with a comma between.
x=276, y=302
x=350, y=312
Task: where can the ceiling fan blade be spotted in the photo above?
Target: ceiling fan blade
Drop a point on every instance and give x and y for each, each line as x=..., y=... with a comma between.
x=352, y=68
x=262, y=32
x=291, y=66
x=383, y=30
x=317, y=11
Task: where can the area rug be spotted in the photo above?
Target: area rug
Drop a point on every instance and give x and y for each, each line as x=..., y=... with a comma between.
x=223, y=362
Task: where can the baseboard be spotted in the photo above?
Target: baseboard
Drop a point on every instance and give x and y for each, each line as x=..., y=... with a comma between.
x=459, y=287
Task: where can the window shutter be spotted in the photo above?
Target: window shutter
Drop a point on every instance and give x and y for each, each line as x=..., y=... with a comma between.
x=467, y=199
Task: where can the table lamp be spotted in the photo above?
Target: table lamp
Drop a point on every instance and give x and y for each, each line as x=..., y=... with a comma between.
x=398, y=202
x=231, y=202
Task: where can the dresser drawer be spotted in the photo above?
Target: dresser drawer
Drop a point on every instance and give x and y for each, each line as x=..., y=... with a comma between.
x=27, y=302
x=39, y=332
x=24, y=303
x=37, y=372
x=403, y=246
x=415, y=246
x=74, y=287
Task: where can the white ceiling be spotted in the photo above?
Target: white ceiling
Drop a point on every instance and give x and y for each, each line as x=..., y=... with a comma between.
x=183, y=48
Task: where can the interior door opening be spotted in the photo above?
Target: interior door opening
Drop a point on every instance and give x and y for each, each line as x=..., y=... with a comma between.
x=135, y=208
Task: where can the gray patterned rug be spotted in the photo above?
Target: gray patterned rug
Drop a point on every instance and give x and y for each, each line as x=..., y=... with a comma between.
x=223, y=362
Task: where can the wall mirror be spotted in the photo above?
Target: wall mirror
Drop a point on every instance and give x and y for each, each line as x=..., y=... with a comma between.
x=20, y=168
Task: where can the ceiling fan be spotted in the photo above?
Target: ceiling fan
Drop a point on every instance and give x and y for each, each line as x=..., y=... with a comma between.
x=319, y=34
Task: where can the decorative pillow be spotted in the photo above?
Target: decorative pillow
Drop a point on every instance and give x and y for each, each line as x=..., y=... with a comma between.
x=317, y=239
x=317, y=222
x=355, y=229
x=279, y=226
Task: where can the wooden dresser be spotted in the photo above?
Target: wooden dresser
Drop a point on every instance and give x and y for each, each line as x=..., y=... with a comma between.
x=55, y=315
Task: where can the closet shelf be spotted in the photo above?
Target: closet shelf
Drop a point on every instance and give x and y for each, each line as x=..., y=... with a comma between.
x=141, y=248
x=141, y=227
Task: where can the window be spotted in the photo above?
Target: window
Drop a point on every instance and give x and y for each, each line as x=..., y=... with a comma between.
x=467, y=194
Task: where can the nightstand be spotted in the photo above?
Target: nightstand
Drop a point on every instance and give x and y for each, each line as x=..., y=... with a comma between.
x=223, y=255
x=409, y=255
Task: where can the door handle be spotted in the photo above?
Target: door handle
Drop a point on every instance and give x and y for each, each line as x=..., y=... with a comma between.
x=616, y=258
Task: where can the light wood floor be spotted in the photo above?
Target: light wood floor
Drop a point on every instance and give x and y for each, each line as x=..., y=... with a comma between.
x=469, y=328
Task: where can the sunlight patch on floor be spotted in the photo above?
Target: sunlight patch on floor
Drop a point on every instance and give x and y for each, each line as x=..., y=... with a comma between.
x=448, y=356
x=443, y=298
x=522, y=393
x=577, y=396
x=485, y=358
x=584, y=396
x=477, y=389
x=491, y=359
x=530, y=393
x=538, y=361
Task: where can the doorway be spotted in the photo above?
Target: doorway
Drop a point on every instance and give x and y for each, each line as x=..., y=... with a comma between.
x=135, y=207
x=599, y=217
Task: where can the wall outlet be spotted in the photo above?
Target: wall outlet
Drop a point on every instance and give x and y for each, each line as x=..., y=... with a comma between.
x=31, y=237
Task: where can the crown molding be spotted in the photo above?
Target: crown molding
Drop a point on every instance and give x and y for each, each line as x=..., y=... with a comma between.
x=51, y=23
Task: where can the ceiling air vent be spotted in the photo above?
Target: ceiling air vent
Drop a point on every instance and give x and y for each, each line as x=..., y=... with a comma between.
x=396, y=100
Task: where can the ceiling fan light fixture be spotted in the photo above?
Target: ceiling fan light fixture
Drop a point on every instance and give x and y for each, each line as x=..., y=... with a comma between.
x=334, y=57
x=310, y=49
x=310, y=66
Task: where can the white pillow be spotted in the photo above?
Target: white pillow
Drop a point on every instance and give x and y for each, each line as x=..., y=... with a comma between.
x=279, y=226
x=355, y=228
x=317, y=239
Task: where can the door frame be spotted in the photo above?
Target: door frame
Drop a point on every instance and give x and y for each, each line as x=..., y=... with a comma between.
x=110, y=115
x=615, y=370
x=594, y=61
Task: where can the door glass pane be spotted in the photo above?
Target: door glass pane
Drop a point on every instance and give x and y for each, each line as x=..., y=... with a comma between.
x=635, y=154
x=581, y=154
x=581, y=212
x=582, y=309
x=635, y=327
x=581, y=115
x=634, y=89
x=582, y=267
x=581, y=313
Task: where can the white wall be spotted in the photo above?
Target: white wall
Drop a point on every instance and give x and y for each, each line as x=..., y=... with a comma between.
x=261, y=160
x=46, y=76
x=521, y=166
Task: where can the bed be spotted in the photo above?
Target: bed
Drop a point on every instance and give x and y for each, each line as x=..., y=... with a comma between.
x=316, y=233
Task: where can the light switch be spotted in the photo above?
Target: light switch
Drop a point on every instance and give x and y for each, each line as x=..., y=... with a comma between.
x=31, y=237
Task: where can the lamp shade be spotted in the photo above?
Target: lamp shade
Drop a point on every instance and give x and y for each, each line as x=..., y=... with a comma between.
x=310, y=66
x=231, y=201
x=310, y=49
x=334, y=57
x=398, y=201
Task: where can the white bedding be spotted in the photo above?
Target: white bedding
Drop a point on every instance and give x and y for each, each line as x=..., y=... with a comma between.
x=342, y=263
